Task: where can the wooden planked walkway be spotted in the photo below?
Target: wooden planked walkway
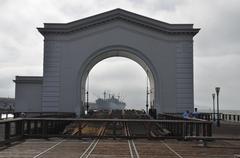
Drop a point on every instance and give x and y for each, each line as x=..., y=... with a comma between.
x=120, y=148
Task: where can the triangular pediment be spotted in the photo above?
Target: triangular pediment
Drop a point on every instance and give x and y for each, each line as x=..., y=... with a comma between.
x=121, y=15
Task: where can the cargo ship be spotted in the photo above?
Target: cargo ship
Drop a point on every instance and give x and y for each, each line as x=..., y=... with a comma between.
x=110, y=103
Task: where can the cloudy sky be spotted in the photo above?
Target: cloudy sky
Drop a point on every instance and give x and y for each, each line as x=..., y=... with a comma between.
x=216, y=47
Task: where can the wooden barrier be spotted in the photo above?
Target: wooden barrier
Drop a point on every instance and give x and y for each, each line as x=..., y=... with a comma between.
x=171, y=116
x=54, y=127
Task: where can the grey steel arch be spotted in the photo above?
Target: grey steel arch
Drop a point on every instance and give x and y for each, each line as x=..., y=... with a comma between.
x=121, y=51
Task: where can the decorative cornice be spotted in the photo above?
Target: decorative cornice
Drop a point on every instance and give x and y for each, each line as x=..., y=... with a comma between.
x=29, y=79
x=118, y=15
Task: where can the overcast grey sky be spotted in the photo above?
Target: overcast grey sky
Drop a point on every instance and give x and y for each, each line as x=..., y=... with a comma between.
x=120, y=77
x=216, y=47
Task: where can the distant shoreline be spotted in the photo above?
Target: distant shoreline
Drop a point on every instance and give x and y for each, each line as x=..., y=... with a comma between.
x=221, y=111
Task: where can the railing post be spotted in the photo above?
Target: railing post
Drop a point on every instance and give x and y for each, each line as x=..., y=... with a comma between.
x=39, y=127
x=22, y=128
x=180, y=129
x=79, y=128
x=7, y=131
x=209, y=129
x=49, y=125
x=204, y=129
x=149, y=128
x=62, y=125
x=174, y=125
x=197, y=129
x=57, y=125
x=184, y=129
x=28, y=127
x=177, y=129
x=174, y=128
x=19, y=128
x=54, y=126
x=35, y=127
x=187, y=129
x=191, y=128
x=114, y=130
x=44, y=128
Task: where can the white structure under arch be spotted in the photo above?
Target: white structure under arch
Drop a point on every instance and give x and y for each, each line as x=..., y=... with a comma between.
x=164, y=50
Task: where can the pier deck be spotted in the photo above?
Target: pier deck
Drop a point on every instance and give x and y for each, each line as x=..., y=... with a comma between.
x=92, y=148
x=114, y=138
x=227, y=129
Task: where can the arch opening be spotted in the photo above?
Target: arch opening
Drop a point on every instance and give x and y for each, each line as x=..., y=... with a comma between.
x=125, y=53
x=117, y=80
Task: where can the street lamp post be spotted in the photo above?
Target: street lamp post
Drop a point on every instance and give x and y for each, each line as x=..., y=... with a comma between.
x=213, y=96
x=87, y=103
x=88, y=78
x=218, y=115
x=147, y=93
x=147, y=100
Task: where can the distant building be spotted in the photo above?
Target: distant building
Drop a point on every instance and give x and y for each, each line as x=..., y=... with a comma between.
x=7, y=104
x=165, y=52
